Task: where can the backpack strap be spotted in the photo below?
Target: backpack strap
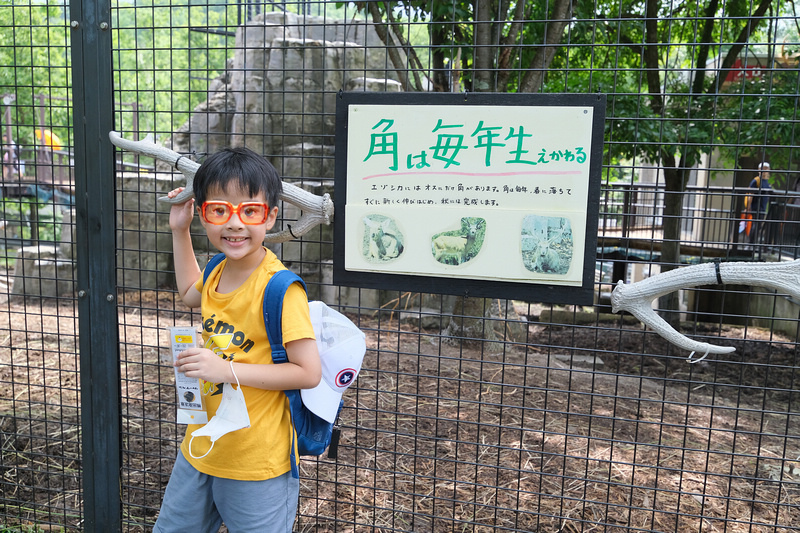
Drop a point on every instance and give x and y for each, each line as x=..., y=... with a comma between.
x=211, y=265
x=274, y=293
x=273, y=310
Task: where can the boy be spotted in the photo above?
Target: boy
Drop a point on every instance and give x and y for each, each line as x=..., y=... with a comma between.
x=242, y=479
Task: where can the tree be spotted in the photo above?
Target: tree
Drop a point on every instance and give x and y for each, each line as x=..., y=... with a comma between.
x=153, y=59
x=479, y=44
x=686, y=118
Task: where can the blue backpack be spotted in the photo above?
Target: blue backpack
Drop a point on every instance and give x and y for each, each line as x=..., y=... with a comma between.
x=314, y=434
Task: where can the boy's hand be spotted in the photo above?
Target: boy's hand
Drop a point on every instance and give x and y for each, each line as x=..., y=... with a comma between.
x=204, y=364
x=180, y=215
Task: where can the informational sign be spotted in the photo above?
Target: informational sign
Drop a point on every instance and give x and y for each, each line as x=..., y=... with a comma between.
x=480, y=194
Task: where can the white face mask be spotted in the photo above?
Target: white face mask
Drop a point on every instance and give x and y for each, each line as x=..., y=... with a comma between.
x=231, y=416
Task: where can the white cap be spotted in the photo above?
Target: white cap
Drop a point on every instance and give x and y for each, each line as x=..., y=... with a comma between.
x=341, y=348
x=763, y=166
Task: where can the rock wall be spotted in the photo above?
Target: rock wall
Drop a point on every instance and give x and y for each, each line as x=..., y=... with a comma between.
x=278, y=96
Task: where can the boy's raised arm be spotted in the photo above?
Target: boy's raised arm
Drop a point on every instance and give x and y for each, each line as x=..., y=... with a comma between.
x=187, y=271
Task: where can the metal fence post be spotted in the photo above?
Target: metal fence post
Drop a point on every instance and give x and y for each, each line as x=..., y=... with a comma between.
x=96, y=252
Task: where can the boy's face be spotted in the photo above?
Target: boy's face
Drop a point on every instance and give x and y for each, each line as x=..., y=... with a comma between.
x=235, y=238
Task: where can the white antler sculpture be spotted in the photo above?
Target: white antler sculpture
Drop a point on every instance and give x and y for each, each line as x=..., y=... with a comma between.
x=636, y=297
x=316, y=209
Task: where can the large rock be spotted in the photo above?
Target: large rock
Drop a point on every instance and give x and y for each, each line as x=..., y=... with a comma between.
x=42, y=271
x=280, y=88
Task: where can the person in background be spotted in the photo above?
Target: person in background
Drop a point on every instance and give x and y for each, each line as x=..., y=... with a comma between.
x=12, y=164
x=756, y=203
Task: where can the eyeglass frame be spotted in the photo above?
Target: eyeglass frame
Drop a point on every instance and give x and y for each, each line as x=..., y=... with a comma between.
x=234, y=210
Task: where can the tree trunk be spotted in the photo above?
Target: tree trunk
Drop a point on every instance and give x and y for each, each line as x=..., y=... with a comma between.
x=474, y=320
x=484, y=49
x=671, y=245
x=441, y=81
x=534, y=77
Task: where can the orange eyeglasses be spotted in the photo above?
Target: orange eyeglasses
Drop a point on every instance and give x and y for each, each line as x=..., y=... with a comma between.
x=218, y=212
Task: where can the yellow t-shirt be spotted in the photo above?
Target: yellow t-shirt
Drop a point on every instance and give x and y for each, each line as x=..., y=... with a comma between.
x=233, y=327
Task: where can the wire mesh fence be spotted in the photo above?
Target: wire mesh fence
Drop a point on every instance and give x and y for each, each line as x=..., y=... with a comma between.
x=470, y=414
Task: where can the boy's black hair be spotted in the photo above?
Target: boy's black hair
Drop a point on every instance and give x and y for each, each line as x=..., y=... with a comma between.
x=238, y=167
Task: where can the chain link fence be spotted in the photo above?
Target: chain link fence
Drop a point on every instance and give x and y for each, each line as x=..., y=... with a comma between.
x=470, y=414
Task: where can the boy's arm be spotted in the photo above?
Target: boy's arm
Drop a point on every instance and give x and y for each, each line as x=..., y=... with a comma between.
x=187, y=271
x=302, y=371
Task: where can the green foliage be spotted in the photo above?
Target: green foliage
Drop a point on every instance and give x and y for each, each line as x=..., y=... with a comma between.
x=603, y=50
x=164, y=58
x=758, y=120
x=34, y=61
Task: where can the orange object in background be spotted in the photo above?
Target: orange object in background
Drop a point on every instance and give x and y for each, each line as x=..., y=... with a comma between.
x=48, y=138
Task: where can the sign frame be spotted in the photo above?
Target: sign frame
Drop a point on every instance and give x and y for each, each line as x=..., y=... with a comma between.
x=579, y=292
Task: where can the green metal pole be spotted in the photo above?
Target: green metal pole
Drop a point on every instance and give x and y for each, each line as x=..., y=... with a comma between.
x=93, y=117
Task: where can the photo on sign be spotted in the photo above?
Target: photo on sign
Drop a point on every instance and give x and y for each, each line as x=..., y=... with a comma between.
x=456, y=247
x=383, y=240
x=547, y=244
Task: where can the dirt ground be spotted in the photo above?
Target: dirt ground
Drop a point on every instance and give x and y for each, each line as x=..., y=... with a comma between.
x=600, y=427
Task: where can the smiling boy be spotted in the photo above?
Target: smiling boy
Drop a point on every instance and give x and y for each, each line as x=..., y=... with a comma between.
x=242, y=479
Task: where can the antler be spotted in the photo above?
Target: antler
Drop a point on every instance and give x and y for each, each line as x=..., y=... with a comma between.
x=316, y=209
x=636, y=297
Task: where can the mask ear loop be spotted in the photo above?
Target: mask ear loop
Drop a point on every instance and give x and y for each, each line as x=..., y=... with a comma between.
x=239, y=386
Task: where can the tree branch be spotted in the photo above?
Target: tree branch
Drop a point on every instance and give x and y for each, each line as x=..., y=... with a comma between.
x=384, y=35
x=741, y=40
x=534, y=77
x=705, y=45
x=507, y=45
x=411, y=54
x=651, y=56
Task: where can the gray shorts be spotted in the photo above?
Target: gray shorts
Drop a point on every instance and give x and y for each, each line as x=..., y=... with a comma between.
x=199, y=503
